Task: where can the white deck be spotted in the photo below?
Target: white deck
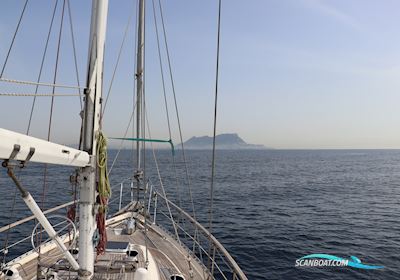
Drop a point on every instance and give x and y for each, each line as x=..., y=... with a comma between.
x=165, y=256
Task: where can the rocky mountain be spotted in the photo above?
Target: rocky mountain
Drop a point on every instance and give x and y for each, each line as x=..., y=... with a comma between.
x=228, y=141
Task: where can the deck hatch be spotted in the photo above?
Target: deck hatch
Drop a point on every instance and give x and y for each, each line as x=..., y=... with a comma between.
x=117, y=247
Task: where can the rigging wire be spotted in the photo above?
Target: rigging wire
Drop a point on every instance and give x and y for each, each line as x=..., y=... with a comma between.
x=160, y=179
x=19, y=94
x=41, y=68
x=178, y=189
x=176, y=109
x=56, y=69
x=165, y=101
x=177, y=185
x=71, y=28
x=45, y=185
x=122, y=141
x=134, y=91
x=179, y=127
x=211, y=261
x=39, y=83
x=215, y=120
x=161, y=68
x=72, y=210
x=13, y=39
x=117, y=62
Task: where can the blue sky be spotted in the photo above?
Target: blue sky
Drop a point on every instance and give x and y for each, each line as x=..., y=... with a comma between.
x=294, y=73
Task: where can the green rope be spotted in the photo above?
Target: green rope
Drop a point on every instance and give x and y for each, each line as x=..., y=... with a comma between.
x=148, y=140
x=103, y=184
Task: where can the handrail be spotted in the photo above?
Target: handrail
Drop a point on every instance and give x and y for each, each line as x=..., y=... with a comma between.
x=201, y=247
x=232, y=263
x=27, y=238
x=27, y=219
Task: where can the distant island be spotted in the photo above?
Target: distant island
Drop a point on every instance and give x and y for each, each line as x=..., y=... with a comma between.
x=228, y=141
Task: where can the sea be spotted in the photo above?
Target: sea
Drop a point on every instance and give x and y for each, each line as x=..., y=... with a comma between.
x=270, y=207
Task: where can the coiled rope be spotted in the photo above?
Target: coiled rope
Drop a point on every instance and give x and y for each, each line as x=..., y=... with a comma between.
x=104, y=184
x=104, y=191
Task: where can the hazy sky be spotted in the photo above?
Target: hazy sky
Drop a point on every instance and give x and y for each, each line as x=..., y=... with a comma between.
x=294, y=73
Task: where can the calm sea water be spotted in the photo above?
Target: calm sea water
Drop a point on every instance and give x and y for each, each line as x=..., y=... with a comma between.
x=272, y=207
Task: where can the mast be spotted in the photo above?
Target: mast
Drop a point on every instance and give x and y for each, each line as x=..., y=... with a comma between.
x=91, y=125
x=139, y=90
